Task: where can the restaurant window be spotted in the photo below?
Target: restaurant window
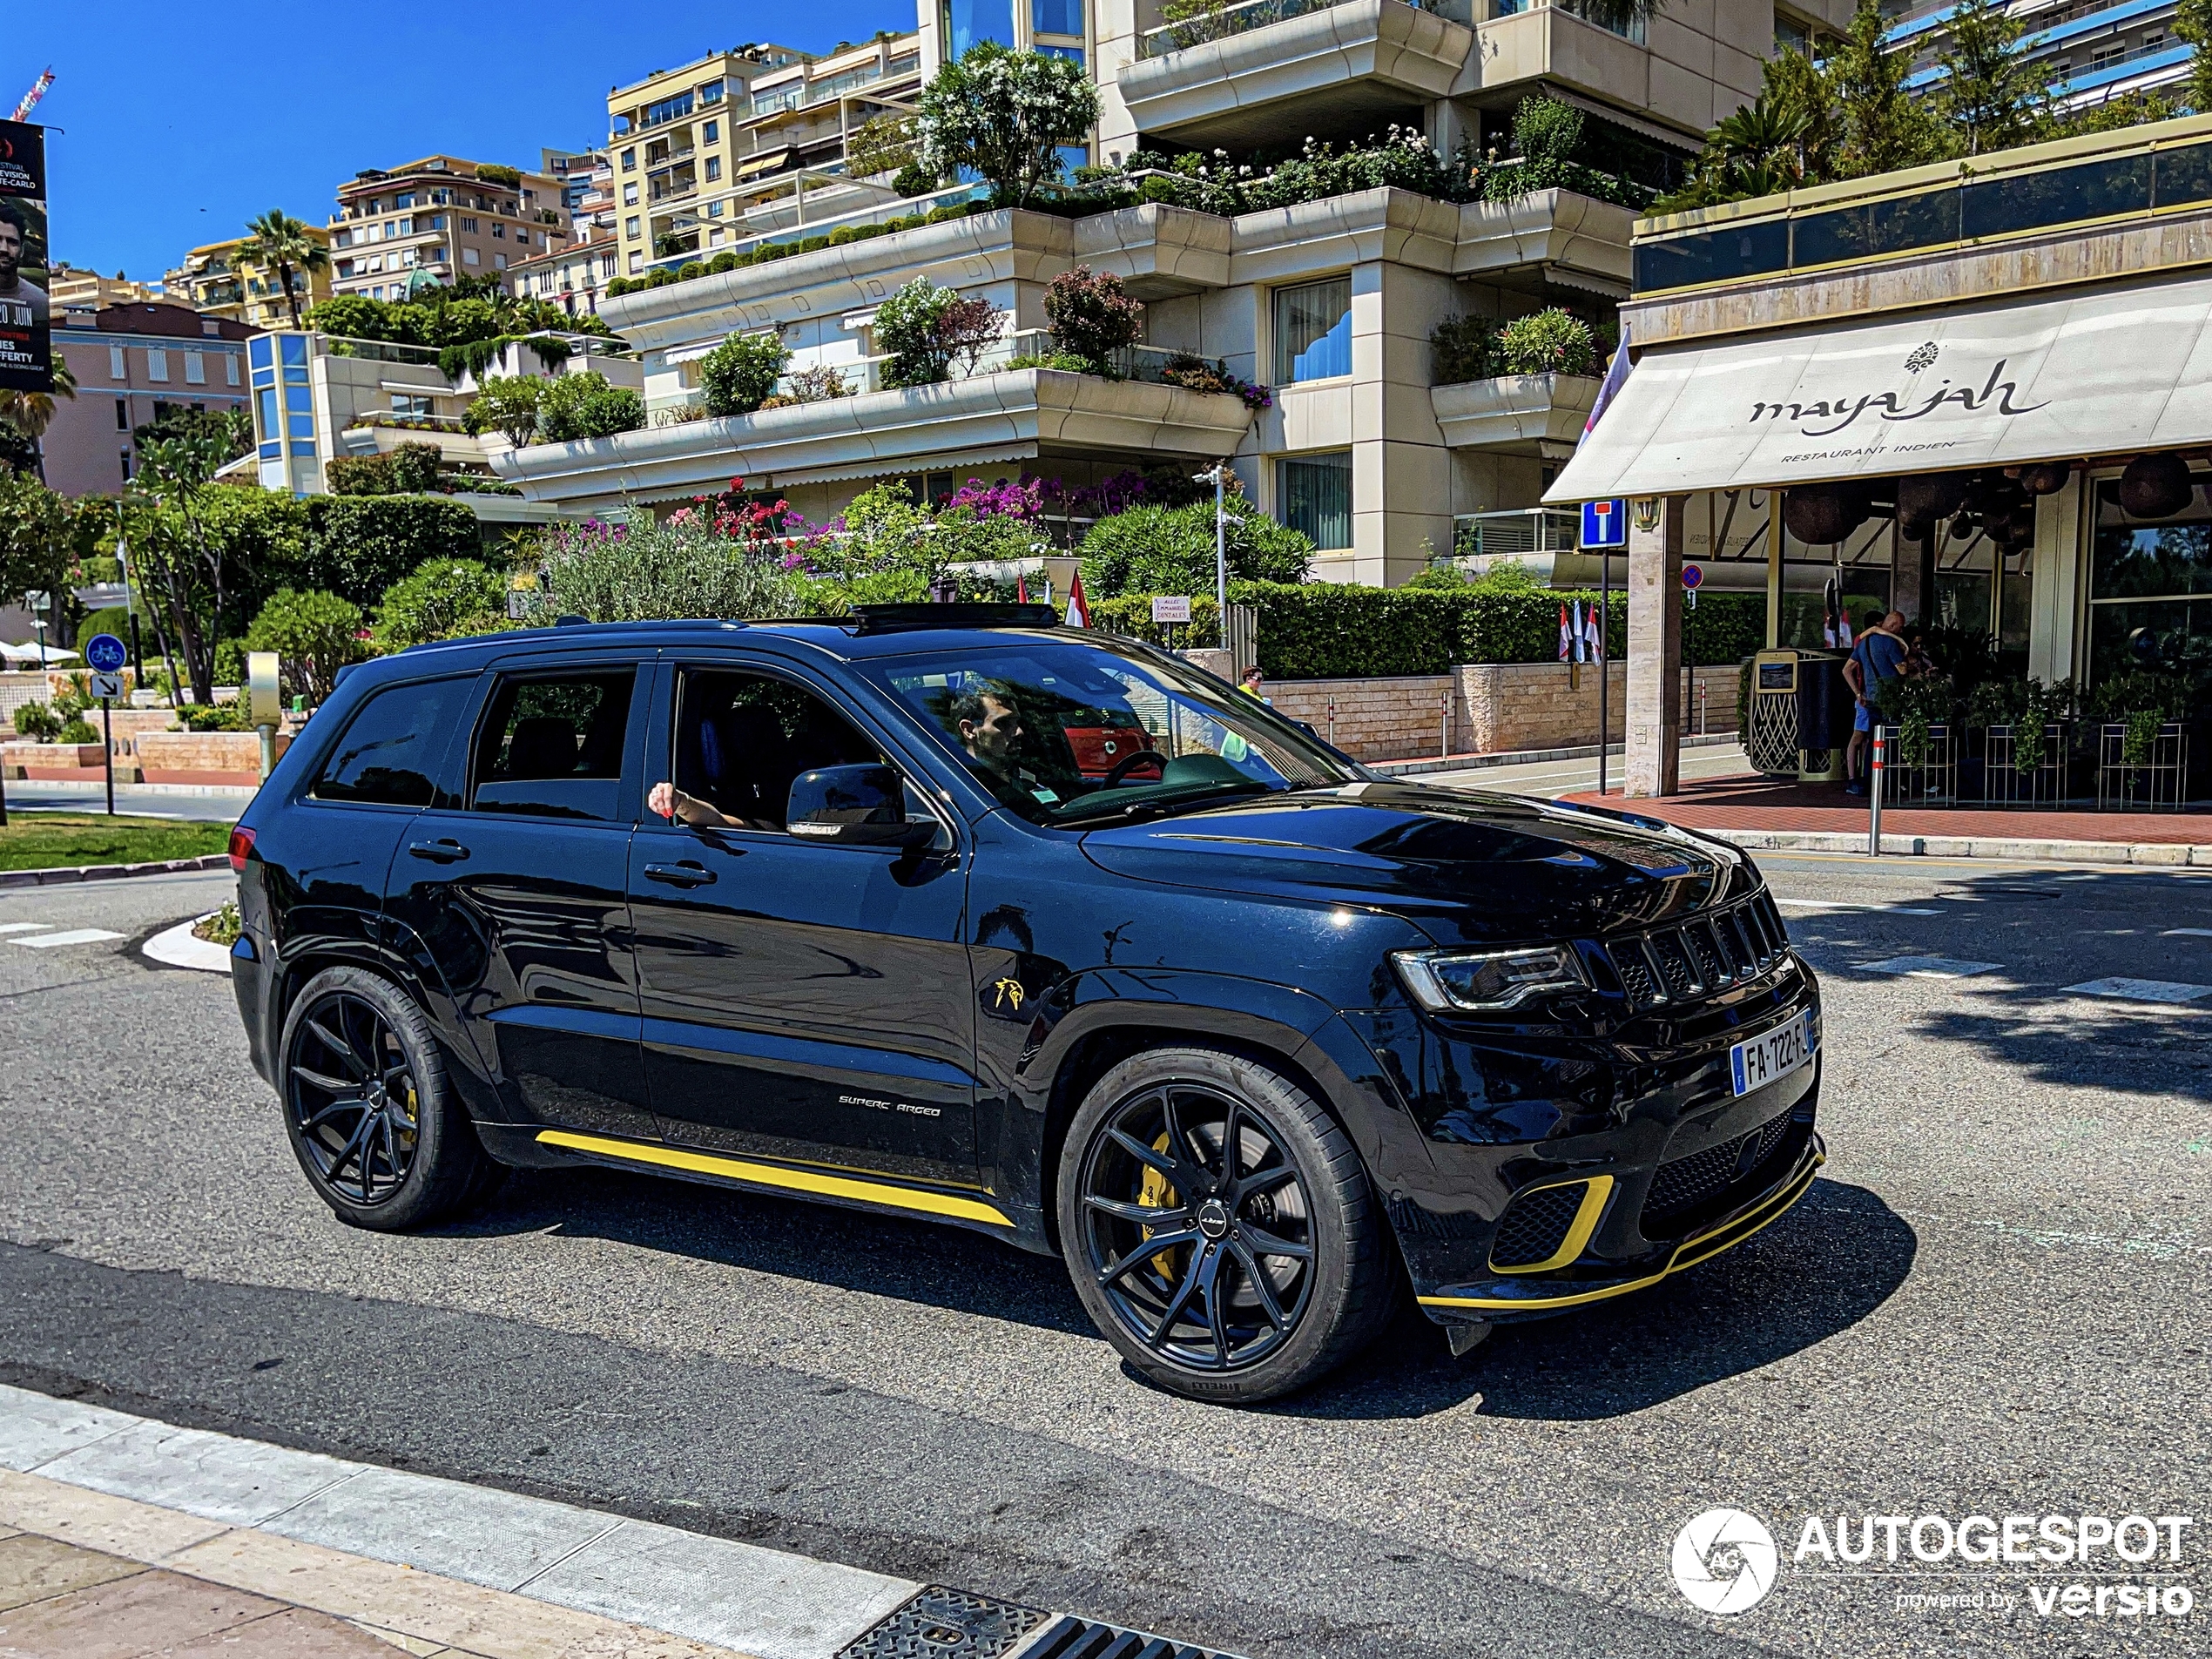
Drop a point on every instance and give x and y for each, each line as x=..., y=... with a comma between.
x=1313, y=331
x=1313, y=496
x=2150, y=588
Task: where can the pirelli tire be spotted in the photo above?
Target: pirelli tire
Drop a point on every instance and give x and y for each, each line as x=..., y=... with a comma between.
x=1220, y=1227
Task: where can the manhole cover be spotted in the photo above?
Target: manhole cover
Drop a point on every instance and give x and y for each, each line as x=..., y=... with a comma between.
x=940, y=1624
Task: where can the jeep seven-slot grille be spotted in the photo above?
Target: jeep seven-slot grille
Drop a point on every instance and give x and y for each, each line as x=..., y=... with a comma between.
x=1536, y=1225
x=1686, y=1183
x=1697, y=957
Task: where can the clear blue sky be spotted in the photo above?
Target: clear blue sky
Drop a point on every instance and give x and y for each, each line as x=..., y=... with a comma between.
x=182, y=123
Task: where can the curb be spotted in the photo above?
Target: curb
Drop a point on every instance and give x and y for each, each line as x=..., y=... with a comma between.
x=70, y=874
x=2159, y=854
x=239, y=791
x=1532, y=757
x=481, y=1569
x=179, y=947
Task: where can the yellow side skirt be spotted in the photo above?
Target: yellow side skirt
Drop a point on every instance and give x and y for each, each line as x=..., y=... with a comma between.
x=1688, y=1254
x=773, y=1175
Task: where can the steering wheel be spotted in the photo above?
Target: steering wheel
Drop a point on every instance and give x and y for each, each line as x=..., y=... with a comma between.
x=1127, y=763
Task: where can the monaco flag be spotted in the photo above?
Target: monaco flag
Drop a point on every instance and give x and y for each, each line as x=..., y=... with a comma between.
x=1078, y=608
x=1566, y=637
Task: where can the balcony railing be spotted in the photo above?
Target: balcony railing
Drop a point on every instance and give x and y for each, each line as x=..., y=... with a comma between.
x=886, y=204
x=1517, y=530
x=1249, y=15
x=1147, y=363
x=1630, y=29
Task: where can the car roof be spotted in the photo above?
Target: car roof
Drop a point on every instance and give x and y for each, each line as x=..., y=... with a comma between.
x=837, y=638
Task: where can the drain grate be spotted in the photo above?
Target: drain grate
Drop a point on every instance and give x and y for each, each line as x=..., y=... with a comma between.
x=940, y=1624
x=1074, y=1638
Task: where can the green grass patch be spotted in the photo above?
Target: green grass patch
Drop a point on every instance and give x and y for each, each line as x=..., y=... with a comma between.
x=58, y=840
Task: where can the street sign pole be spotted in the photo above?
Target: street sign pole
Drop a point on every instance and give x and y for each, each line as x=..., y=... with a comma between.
x=1605, y=526
x=104, y=655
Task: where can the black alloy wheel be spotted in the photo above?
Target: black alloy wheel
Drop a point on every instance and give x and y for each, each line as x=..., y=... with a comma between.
x=356, y=1107
x=368, y=1109
x=1218, y=1225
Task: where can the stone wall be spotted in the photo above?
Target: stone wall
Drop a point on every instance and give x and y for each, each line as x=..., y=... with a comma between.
x=204, y=757
x=1492, y=708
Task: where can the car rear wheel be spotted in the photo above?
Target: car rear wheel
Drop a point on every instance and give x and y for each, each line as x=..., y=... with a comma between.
x=368, y=1109
x=1219, y=1227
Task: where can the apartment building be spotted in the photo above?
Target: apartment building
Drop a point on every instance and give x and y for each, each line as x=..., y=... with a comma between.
x=440, y=219
x=134, y=363
x=674, y=145
x=1329, y=304
x=71, y=289
x=572, y=277
x=804, y=116
x=2089, y=51
x=223, y=279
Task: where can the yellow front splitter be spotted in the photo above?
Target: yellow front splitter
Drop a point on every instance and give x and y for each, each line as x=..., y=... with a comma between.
x=1689, y=1253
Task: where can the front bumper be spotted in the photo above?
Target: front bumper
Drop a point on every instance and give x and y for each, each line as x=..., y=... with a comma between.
x=1507, y=1297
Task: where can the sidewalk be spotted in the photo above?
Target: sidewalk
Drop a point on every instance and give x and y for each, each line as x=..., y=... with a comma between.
x=1778, y=814
x=124, y=1536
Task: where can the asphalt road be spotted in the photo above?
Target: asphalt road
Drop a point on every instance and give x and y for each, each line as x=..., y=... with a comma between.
x=1993, y=1302
x=132, y=800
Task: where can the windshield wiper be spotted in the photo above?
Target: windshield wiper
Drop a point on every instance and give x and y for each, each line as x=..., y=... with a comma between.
x=1105, y=804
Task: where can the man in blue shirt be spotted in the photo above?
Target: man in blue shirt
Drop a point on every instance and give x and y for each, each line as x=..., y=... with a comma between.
x=1879, y=656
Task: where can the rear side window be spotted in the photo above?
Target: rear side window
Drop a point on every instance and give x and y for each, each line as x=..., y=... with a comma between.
x=389, y=754
x=551, y=745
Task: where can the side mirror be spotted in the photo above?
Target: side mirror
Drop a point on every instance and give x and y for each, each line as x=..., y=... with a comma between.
x=855, y=806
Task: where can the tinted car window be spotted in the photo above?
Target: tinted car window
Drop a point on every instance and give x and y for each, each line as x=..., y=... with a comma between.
x=390, y=752
x=551, y=745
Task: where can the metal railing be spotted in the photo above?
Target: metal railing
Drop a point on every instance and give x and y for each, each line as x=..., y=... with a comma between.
x=885, y=204
x=1630, y=29
x=1515, y=530
x=1248, y=15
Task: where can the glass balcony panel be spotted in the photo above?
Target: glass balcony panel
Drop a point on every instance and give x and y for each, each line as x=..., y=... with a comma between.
x=2026, y=201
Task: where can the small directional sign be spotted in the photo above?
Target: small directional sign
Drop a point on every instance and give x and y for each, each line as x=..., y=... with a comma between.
x=107, y=688
x=1605, y=523
x=1167, y=608
x=105, y=654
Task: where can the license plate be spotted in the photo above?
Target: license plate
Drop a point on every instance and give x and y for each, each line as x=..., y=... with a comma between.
x=1755, y=1063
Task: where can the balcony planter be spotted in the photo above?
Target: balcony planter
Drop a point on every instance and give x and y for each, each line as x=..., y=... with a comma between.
x=1515, y=413
x=1245, y=84
x=52, y=762
x=204, y=757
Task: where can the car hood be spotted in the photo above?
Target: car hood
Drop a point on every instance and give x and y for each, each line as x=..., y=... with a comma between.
x=1462, y=866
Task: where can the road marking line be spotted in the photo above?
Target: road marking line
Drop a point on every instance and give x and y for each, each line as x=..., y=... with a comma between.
x=1927, y=968
x=74, y=936
x=2141, y=990
x=23, y=927
x=2187, y=932
x=1817, y=905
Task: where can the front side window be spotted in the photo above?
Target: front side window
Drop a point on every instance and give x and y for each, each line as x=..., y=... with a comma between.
x=1069, y=733
x=741, y=739
x=389, y=754
x=1314, y=494
x=551, y=746
x=1313, y=331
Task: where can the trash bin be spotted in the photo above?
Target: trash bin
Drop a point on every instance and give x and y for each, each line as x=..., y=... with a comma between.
x=1825, y=708
x=1771, y=724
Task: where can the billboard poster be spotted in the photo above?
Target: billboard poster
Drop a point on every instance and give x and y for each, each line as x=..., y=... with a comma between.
x=26, y=337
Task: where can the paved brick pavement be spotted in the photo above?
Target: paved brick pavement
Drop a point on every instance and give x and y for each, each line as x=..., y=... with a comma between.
x=1752, y=802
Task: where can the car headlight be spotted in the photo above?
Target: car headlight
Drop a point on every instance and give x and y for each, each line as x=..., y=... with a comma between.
x=1484, y=982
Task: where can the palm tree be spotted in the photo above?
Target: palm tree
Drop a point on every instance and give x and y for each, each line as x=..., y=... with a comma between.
x=26, y=415
x=280, y=240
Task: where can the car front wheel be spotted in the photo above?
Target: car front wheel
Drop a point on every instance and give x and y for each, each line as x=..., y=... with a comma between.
x=1219, y=1226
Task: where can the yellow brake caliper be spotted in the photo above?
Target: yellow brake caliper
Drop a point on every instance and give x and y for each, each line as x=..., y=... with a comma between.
x=1154, y=1193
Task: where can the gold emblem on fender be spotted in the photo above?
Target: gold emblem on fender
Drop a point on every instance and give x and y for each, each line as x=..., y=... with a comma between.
x=1009, y=992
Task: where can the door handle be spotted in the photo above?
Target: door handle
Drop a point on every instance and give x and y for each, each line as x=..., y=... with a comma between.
x=442, y=851
x=685, y=874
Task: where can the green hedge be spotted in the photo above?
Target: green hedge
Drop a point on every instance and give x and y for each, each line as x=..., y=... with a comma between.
x=1323, y=630
x=358, y=545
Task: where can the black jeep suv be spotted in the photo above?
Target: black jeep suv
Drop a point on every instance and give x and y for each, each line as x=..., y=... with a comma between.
x=951, y=912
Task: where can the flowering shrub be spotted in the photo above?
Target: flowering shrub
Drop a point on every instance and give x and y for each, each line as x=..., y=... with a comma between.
x=741, y=373
x=442, y=599
x=1195, y=374
x=1001, y=115
x=1551, y=342
x=714, y=560
x=928, y=329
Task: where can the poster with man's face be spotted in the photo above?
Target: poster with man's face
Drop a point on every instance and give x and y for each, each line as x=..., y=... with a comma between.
x=26, y=337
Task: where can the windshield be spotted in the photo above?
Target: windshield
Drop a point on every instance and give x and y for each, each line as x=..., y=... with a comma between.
x=1078, y=732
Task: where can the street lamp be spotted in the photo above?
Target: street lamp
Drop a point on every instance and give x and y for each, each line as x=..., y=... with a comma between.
x=1218, y=475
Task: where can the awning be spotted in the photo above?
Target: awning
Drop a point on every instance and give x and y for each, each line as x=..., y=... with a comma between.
x=763, y=162
x=2110, y=372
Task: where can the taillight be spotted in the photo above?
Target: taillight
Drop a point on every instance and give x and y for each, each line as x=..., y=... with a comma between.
x=241, y=844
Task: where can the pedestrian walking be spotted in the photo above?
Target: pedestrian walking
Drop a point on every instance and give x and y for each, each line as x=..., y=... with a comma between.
x=1879, y=655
